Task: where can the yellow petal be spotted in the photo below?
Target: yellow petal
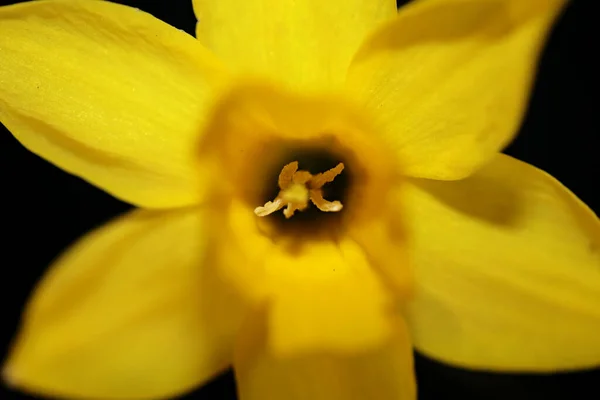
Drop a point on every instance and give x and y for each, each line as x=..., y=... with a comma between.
x=131, y=311
x=507, y=271
x=299, y=42
x=108, y=93
x=325, y=297
x=322, y=295
x=387, y=246
x=384, y=373
x=449, y=80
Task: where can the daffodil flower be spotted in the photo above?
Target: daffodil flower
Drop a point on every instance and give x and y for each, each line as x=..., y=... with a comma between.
x=376, y=132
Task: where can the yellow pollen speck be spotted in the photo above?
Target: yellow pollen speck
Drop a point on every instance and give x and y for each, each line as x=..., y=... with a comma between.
x=297, y=188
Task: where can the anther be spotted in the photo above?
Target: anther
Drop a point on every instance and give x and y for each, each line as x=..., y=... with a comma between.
x=297, y=188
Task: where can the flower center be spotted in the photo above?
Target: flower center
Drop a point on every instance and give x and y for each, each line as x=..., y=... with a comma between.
x=297, y=188
x=314, y=186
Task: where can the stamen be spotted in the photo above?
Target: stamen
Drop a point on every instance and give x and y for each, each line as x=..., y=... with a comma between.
x=287, y=174
x=301, y=177
x=269, y=208
x=297, y=188
x=316, y=196
x=325, y=177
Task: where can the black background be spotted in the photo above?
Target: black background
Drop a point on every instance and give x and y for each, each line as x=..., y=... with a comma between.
x=44, y=209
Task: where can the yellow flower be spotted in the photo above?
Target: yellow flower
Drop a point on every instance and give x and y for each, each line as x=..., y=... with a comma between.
x=212, y=137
